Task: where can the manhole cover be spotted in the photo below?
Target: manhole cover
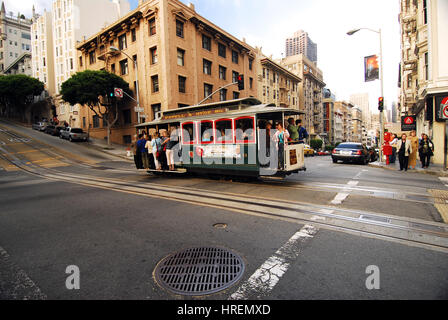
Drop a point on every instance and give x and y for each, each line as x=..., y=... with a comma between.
x=199, y=271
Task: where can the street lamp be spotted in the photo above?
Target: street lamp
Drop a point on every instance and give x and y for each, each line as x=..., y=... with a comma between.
x=115, y=49
x=352, y=32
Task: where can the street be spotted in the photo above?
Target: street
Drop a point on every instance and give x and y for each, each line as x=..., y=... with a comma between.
x=67, y=204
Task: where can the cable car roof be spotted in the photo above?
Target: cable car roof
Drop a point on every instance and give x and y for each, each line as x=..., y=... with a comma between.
x=222, y=109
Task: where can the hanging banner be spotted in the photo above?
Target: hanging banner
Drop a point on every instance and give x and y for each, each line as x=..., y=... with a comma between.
x=408, y=123
x=371, y=69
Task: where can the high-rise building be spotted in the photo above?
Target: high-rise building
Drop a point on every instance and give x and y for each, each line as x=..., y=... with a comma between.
x=15, y=42
x=55, y=35
x=361, y=100
x=301, y=43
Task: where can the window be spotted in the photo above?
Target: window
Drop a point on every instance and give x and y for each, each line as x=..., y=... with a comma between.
x=426, y=66
x=251, y=83
x=127, y=117
x=154, y=57
x=188, y=133
x=180, y=57
x=221, y=50
x=207, y=133
x=96, y=121
x=222, y=72
x=92, y=58
x=133, y=35
x=83, y=122
x=155, y=83
x=179, y=29
x=208, y=89
x=182, y=82
x=80, y=61
x=235, y=76
x=236, y=95
x=425, y=12
x=244, y=130
x=43, y=61
x=234, y=56
x=134, y=60
x=71, y=63
x=207, y=66
x=251, y=62
x=224, y=131
x=223, y=95
x=112, y=68
x=26, y=36
x=124, y=67
x=122, y=42
x=155, y=108
x=152, y=27
x=127, y=139
x=206, y=43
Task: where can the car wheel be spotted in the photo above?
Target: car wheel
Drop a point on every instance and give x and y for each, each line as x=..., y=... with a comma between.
x=70, y=139
x=335, y=161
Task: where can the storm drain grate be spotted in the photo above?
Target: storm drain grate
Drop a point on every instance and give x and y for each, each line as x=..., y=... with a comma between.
x=199, y=271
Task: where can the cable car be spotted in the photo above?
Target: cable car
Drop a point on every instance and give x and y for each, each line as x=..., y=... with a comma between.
x=229, y=138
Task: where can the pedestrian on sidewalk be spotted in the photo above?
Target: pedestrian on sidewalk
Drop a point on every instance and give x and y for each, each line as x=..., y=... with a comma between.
x=393, y=143
x=404, y=149
x=426, y=150
x=415, y=146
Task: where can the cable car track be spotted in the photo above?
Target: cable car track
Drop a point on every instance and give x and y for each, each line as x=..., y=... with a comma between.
x=411, y=231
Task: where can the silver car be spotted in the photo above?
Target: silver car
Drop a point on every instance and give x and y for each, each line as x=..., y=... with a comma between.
x=73, y=134
x=40, y=126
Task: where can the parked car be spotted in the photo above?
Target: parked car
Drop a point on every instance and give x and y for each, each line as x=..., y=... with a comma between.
x=40, y=126
x=58, y=130
x=351, y=152
x=73, y=134
x=50, y=129
x=308, y=150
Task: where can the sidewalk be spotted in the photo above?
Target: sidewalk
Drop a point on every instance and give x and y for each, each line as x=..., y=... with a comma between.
x=434, y=169
x=117, y=150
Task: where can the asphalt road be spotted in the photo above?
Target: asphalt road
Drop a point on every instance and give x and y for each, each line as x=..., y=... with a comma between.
x=65, y=204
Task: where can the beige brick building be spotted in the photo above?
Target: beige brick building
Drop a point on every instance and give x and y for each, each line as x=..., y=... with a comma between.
x=276, y=84
x=181, y=58
x=343, y=110
x=310, y=93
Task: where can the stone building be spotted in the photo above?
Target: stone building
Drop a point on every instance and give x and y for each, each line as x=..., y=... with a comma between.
x=181, y=58
x=15, y=40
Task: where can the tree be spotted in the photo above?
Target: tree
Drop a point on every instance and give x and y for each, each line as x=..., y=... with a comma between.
x=17, y=92
x=316, y=144
x=93, y=89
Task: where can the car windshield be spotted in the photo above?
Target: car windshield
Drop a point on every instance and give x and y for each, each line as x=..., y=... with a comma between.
x=76, y=130
x=349, y=146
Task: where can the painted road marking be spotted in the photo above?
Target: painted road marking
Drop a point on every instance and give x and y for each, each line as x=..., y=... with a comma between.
x=16, y=284
x=341, y=196
x=272, y=270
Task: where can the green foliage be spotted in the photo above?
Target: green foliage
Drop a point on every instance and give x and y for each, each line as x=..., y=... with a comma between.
x=85, y=87
x=316, y=144
x=336, y=144
x=329, y=147
x=19, y=89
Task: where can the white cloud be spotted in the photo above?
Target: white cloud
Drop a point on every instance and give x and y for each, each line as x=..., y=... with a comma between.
x=25, y=6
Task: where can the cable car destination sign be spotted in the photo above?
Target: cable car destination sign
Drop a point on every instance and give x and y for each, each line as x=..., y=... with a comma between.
x=190, y=114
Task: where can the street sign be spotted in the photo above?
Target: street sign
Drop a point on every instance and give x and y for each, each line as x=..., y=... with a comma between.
x=408, y=123
x=137, y=109
x=118, y=92
x=444, y=108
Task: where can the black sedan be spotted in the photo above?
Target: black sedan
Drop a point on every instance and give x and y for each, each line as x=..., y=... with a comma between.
x=351, y=152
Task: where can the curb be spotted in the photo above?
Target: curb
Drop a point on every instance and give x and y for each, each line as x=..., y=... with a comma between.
x=98, y=148
x=433, y=173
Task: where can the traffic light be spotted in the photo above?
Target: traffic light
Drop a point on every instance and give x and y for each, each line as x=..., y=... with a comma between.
x=380, y=104
x=240, y=82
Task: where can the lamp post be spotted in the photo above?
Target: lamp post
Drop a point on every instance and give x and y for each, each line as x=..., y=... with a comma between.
x=115, y=49
x=351, y=32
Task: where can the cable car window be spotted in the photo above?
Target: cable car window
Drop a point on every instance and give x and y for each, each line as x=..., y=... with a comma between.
x=224, y=131
x=244, y=130
x=188, y=133
x=206, y=131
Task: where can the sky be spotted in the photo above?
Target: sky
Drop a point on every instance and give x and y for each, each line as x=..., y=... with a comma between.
x=267, y=24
